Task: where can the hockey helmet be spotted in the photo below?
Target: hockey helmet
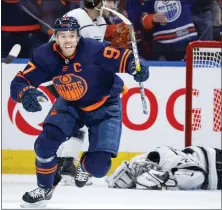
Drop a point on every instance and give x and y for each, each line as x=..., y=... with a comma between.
x=90, y=4
x=67, y=24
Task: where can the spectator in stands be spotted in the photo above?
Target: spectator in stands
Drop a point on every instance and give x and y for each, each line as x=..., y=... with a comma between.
x=172, y=28
x=19, y=28
x=220, y=4
x=109, y=17
x=216, y=18
x=202, y=18
x=49, y=10
x=132, y=10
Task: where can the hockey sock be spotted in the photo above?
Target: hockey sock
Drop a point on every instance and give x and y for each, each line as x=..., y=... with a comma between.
x=46, y=171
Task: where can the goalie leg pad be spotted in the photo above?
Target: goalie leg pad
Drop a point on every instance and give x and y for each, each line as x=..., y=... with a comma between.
x=189, y=180
x=72, y=147
x=121, y=177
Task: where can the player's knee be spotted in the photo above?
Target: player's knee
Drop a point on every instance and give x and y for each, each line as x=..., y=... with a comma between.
x=48, y=142
x=97, y=163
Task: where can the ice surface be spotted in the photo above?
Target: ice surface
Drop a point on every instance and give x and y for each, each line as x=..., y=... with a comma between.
x=98, y=196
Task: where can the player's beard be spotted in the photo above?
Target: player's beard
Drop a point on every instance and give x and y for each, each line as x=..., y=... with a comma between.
x=68, y=52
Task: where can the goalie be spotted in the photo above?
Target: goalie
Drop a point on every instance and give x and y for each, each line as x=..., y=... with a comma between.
x=168, y=168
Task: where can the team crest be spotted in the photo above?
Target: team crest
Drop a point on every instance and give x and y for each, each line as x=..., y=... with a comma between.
x=172, y=9
x=70, y=86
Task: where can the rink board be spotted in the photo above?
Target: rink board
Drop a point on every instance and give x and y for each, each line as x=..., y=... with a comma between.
x=164, y=125
x=22, y=161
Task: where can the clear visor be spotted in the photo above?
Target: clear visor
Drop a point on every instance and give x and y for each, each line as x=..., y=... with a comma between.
x=100, y=8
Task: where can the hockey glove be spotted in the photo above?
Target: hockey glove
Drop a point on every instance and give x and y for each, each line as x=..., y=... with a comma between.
x=29, y=100
x=152, y=180
x=140, y=76
x=118, y=35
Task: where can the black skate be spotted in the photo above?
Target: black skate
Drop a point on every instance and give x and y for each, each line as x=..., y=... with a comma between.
x=68, y=167
x=81, y=177
x=37, y=198
x=68, y=171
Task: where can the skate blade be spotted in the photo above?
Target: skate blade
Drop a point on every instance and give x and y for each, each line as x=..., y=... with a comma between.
x=89, y=182
x=40, y=204
x=67, y=180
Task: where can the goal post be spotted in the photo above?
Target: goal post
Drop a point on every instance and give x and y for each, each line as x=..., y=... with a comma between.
x=203, y=108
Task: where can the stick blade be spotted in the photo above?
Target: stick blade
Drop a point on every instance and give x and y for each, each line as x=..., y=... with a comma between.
x=12, y=54
x=15, y=50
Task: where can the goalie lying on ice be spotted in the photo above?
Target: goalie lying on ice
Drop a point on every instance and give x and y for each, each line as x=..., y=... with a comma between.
x=169, y=168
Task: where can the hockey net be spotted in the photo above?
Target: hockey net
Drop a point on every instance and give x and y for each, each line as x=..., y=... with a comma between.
x=203, y=118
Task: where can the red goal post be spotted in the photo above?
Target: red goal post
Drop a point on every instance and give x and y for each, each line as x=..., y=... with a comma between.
x=203, y=68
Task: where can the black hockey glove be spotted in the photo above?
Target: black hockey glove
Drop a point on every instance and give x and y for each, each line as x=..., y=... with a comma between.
x=140, y=76
x=29, y=100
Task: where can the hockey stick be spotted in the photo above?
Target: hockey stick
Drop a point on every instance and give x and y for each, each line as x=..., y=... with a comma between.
x=14, y=52
x=31, y=14
x=35, y=17
x=135, y=53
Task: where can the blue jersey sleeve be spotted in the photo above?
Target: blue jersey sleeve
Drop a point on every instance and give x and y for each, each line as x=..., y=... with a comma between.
x=148, y=7
x=34, y=74
x=112, y=59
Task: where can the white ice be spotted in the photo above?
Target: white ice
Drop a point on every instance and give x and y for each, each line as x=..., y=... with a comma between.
x=98, y=196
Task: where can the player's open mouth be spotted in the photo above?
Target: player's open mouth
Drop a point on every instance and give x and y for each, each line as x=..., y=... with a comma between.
x=68, y=47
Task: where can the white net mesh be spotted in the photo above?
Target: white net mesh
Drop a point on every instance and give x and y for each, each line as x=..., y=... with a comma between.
x=206, y=93
x=217, y=118
x=207, y=57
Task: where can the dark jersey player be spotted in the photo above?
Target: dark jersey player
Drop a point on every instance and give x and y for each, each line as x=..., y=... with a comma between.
x=83, y=72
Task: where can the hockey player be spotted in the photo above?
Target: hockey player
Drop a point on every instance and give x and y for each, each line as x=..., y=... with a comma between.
x=169, y=168
x=211, y=158
x=83, y=72
x=92, y=25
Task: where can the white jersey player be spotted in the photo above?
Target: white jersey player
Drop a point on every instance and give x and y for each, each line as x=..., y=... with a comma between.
x=211, y=158
x=169, y=168
x=92, y=25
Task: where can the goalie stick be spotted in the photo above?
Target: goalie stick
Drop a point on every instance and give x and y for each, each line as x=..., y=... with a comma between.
x=14, y=52
x=135, y=53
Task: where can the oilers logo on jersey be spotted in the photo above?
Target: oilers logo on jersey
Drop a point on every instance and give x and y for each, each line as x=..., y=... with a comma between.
x=172, y=9
x=70, y=86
